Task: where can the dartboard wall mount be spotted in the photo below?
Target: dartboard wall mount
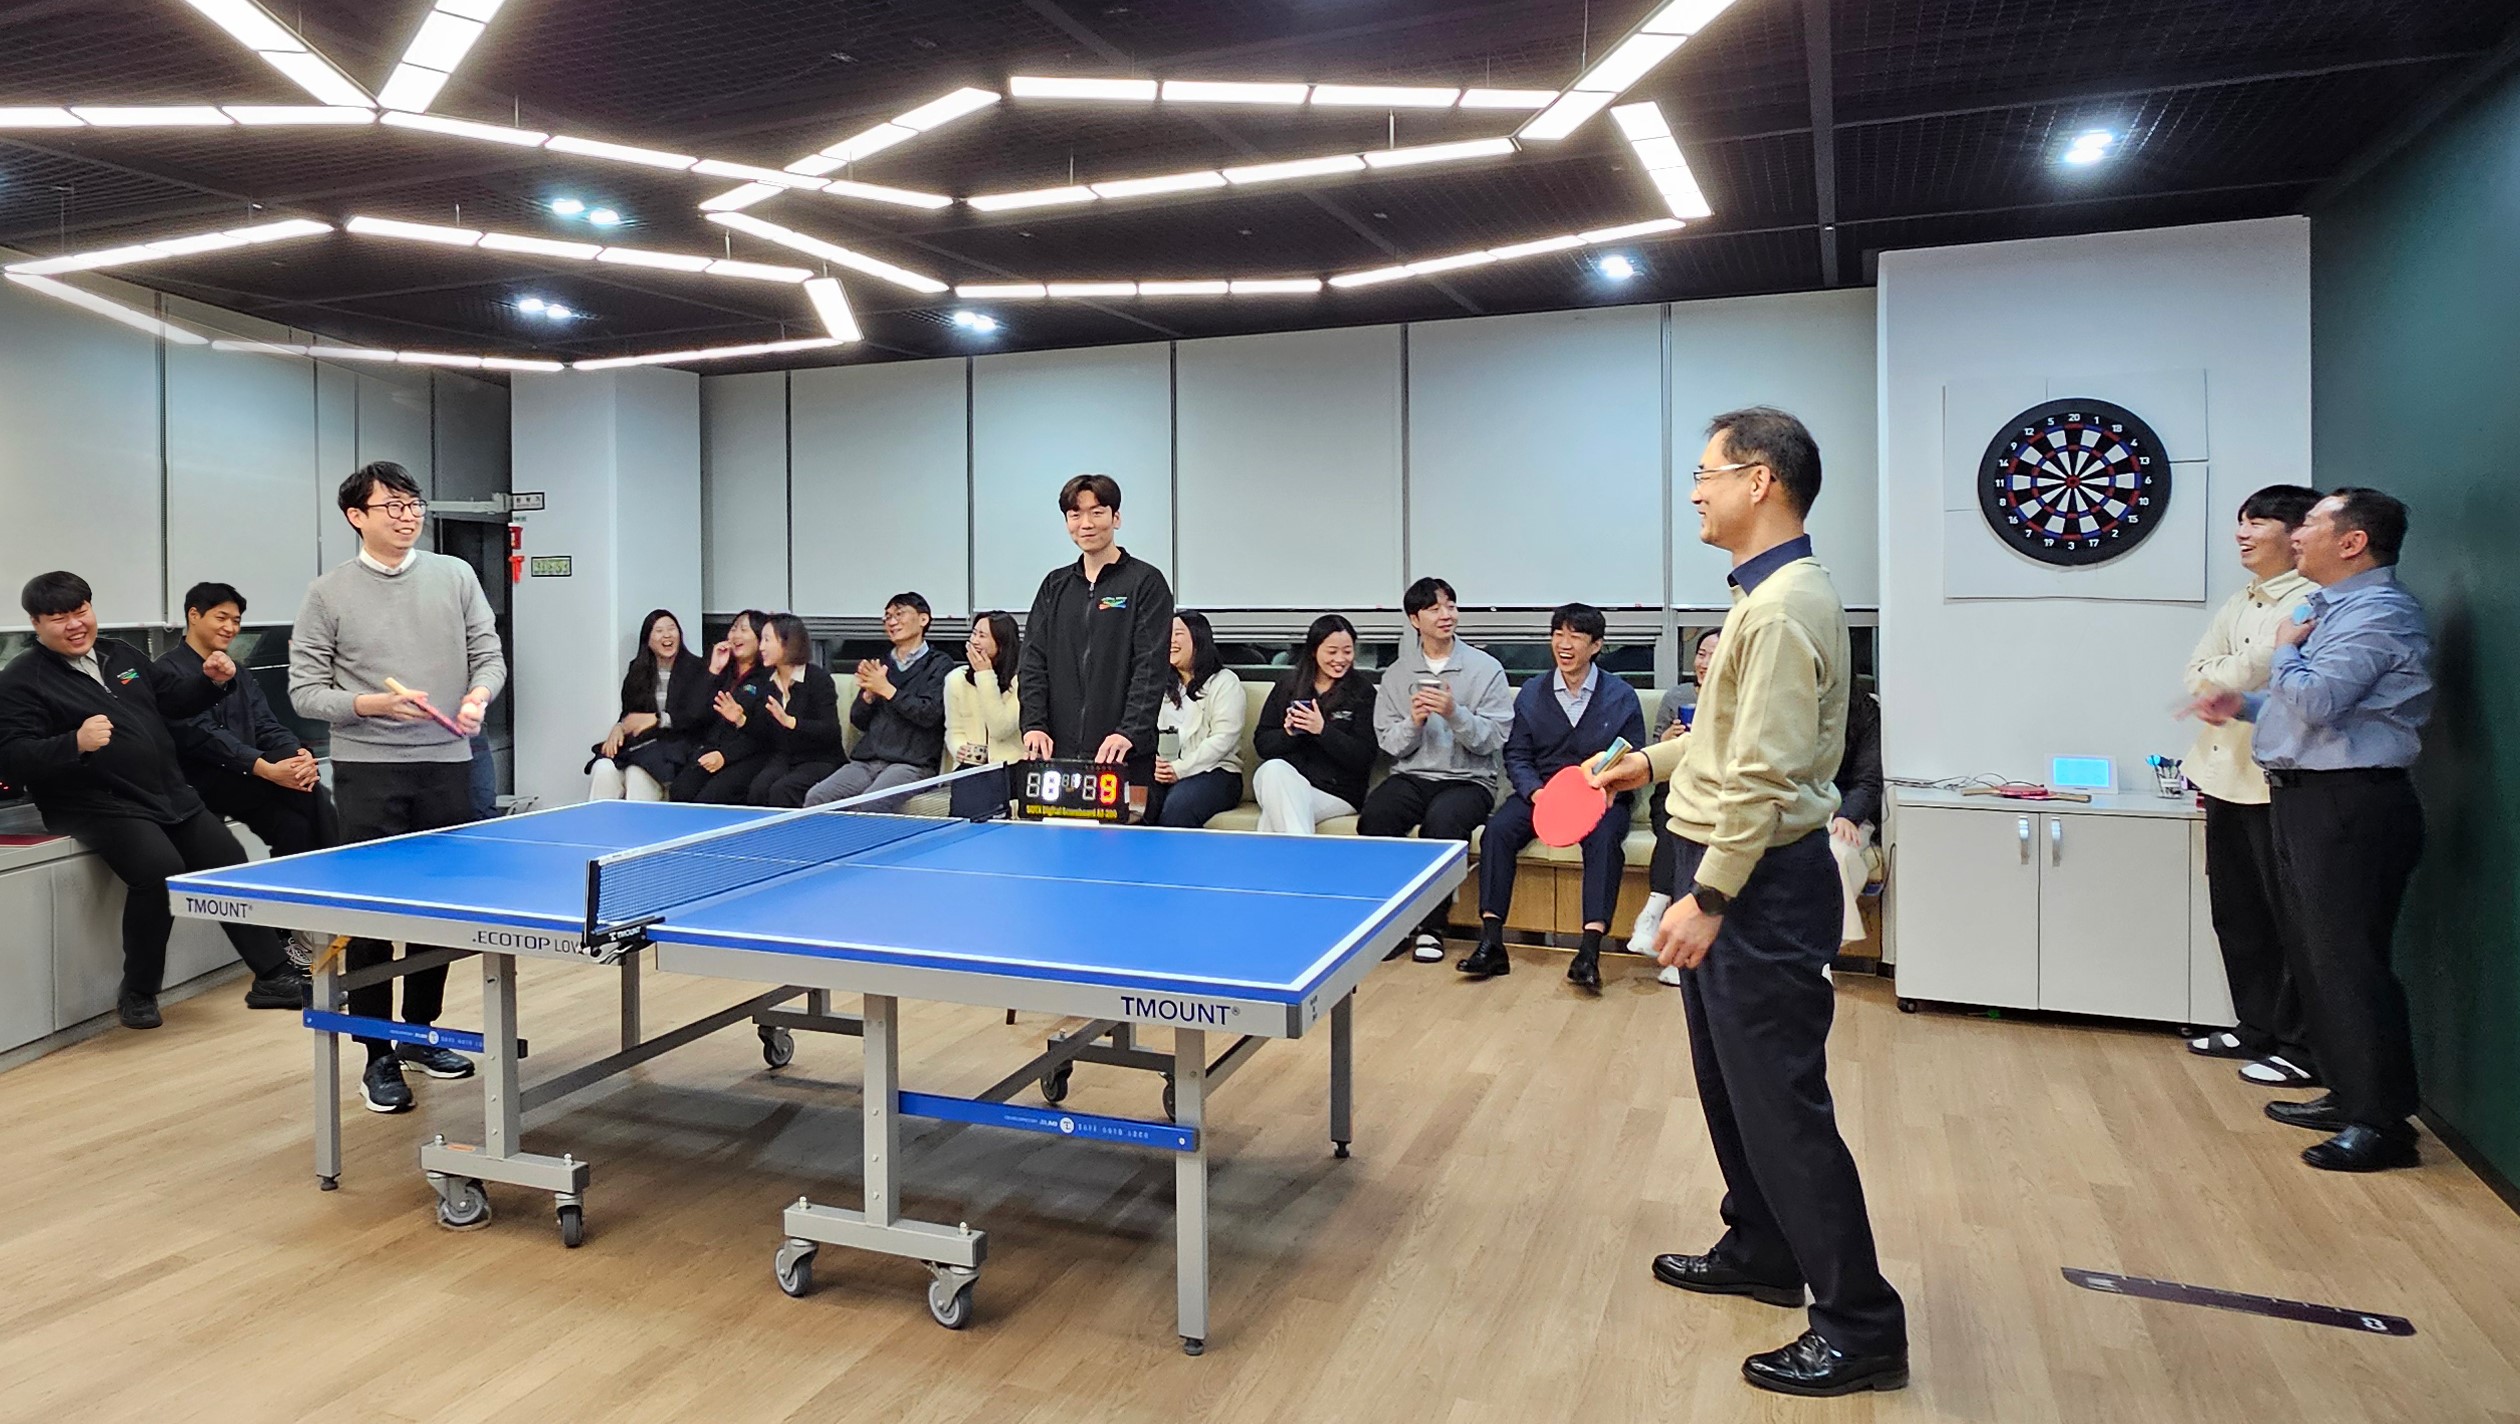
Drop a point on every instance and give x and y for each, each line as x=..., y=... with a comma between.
x=2075, y=482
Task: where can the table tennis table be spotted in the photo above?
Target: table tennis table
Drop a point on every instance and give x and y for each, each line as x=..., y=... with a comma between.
x=1202, y=932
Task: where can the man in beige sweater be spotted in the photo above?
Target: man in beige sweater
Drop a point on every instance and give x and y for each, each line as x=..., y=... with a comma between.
x=1752, y=790
x=2251, y=920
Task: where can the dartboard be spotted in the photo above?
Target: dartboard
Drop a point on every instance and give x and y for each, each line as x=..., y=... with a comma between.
x=2074, y=482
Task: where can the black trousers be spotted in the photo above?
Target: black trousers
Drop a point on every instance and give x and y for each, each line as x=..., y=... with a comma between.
x=287, y=821
x=1438, y=808
x=1759, y=1014
x=779, y=782
x=2346, y=843
x=729, y=785
x=142, y=853
x=389, y=798
x=2254, y=923
x=1661, y=876
x=1509, y=830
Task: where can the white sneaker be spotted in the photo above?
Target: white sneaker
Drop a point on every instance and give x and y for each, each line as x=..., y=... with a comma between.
x=1670, y=975
x=1648, y=920
x=1429, y=949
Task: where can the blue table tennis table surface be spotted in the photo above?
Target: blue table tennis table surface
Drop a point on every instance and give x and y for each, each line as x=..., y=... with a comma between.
x=1264, y=916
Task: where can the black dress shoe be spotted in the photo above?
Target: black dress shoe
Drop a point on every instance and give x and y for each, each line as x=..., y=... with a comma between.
x=2364, y=1149
x=1488, y=961
x=1708, y=1276
x=2320, y=1114
x=1585, y=972
x=1812, y=1366
x=280, y=989
x=138, y=1011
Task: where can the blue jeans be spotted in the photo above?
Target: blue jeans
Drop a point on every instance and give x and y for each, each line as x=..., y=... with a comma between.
x=1194, y=800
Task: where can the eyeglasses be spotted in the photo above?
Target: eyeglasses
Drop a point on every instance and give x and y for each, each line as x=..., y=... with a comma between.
x=1703, y=473
x=399, y=508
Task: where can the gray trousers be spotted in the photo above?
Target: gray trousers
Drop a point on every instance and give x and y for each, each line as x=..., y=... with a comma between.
x=860, y=777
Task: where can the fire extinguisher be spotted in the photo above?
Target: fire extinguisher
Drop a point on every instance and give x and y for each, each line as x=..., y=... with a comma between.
x=516, y=553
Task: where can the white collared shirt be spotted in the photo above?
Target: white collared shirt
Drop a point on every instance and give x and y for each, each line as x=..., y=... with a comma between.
x=1581, y=698
x=410, y=557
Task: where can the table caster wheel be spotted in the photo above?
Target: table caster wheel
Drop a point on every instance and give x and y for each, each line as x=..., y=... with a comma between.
x=778, y=1046
x=462, y=1206
x=1168, y=1098
x=1054, y=1085
x=794, y=1268
x=1190, y=1346
x=328, y=1184
x=573, y=1226
x=949, y=1295
x=1339, y=1149
x=1907, y=1006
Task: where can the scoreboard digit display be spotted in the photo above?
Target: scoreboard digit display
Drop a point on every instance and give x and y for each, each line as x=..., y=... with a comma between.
x=1071, y=791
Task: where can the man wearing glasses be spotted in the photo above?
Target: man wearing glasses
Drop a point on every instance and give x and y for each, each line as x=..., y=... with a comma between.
x=1753, y=788
x=899, y=710
x=422, y=620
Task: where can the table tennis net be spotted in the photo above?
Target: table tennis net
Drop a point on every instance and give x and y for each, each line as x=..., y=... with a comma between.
x=636, y=887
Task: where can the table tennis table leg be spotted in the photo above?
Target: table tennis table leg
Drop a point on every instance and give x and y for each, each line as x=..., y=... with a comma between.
x=1190, y=1189
x=327, y=996
x=456, y=1171
x=1342, y=1052
x=630, y=1002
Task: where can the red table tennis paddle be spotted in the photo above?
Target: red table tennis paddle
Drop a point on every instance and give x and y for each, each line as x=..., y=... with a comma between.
x=1566, y=810
x=440, y=718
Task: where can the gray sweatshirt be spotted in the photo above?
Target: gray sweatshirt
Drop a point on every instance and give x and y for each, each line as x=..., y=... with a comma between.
x=1467, y=746
x=429, y=627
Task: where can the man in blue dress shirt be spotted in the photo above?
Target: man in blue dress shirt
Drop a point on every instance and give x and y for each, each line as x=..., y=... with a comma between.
x=2338, y=725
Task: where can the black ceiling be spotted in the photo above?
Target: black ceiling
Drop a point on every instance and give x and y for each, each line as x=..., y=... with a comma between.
x=1947, y=117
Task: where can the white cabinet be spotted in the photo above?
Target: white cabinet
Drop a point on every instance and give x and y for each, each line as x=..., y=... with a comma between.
x=2078, y=908
x=26, y=957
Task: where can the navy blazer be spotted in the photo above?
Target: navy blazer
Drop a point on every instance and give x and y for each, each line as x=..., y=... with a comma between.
x=1543, y=742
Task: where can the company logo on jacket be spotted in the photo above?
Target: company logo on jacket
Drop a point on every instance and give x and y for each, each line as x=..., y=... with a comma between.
x=126, y=677
x=1115, y=602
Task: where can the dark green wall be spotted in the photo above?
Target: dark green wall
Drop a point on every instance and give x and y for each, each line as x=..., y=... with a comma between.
x=2415, y=311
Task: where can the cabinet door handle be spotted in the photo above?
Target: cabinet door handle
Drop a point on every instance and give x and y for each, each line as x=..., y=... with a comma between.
x=2025, y=840
x=2056, y=841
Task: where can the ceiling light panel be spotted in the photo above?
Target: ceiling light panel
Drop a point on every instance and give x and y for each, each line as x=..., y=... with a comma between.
x=1679, y=188
x=1184, y=289
x=829, y=251
x=1659, y=153
x=110, y=310
x=1032, y=198
x=832, y=305
x=869, y=143
x=411, y=88
x=1371, y=278
x=1438, y=153
x=1508, y=98
x=791, y=177
x=1633, y=59
x=40, y=118
x=1651, y=228
x=1276, y=286
x=301, y=115
x=1684, y=17
x=443, y=41
x=1024, y=86
x=1382, y=96
x=1570, y=112
x=247, y=23
x=735, y=200
x=1199, y=91
x=168, y=116
x=663, y=261
x=1091, y=289
x=314, y=74
x=1536, y=248
x=1641, y=121
x=172, y=247
x=465, y=128
x=540, y=246
x=1001, y=291
x=878, y=193
x=621, y=153
x=1295, y=168
x=711, y=353
x=936, y=113
x=414, y=232
x=758, y=271
x=1453, y=263
x=1166, y=183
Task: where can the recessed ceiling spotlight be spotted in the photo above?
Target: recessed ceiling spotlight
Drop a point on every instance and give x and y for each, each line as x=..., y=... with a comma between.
x=567, y=207
x=1618, y=267
x=2091, y=147
x=604, y=217
x=531, y=304
x=557, y=312
x=977, y=322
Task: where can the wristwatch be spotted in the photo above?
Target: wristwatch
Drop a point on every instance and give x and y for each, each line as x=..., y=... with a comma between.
x=1710, y=901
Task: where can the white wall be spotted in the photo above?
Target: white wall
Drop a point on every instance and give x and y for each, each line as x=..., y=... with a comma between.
x=1271, y=472
x=617, y=457
x=1040, y=417
x=2000, y=685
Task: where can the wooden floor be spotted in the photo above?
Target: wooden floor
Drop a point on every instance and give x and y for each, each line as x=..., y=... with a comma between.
x=1522, y=1152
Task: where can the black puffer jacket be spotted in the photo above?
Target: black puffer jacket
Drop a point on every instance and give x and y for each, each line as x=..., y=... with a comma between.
x=43, y=701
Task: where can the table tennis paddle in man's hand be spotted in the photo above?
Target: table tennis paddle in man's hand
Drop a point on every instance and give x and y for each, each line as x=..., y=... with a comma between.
x=1565, y=810
x=422, y=702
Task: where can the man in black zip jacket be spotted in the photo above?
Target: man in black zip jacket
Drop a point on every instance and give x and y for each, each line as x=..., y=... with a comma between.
x=1097, y=644
x=83, y=729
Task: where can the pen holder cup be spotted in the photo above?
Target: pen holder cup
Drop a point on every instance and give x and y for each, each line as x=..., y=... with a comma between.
x=2168, y=779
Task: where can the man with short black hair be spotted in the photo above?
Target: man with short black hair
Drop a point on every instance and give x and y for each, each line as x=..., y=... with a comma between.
x=83, y=727
x=247, y=764
x=2337, y=728
x=1568, y=717
x=421, y=620
x=2253, y=922
x=1753, y=787
x=1097, y=643
x=899, y=710
x=1441, y=714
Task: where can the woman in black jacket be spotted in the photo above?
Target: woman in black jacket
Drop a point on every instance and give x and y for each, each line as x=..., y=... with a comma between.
x=664, y=707
x=798, y=720
x=729, y=751
x=1316, y=734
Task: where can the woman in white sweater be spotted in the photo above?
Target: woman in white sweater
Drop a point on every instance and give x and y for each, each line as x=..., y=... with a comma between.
x=984, y=719
x=1198, y=727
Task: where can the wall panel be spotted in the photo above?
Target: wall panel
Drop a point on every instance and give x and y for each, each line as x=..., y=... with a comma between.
x=881, y=500
x=1038, y=418
x=744, y=490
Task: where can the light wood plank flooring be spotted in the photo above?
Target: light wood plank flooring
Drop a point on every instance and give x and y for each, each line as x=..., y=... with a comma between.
x=1521, y=1153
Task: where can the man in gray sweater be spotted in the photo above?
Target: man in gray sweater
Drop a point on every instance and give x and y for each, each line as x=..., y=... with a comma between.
x=1441, y=713
x=422, y=620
